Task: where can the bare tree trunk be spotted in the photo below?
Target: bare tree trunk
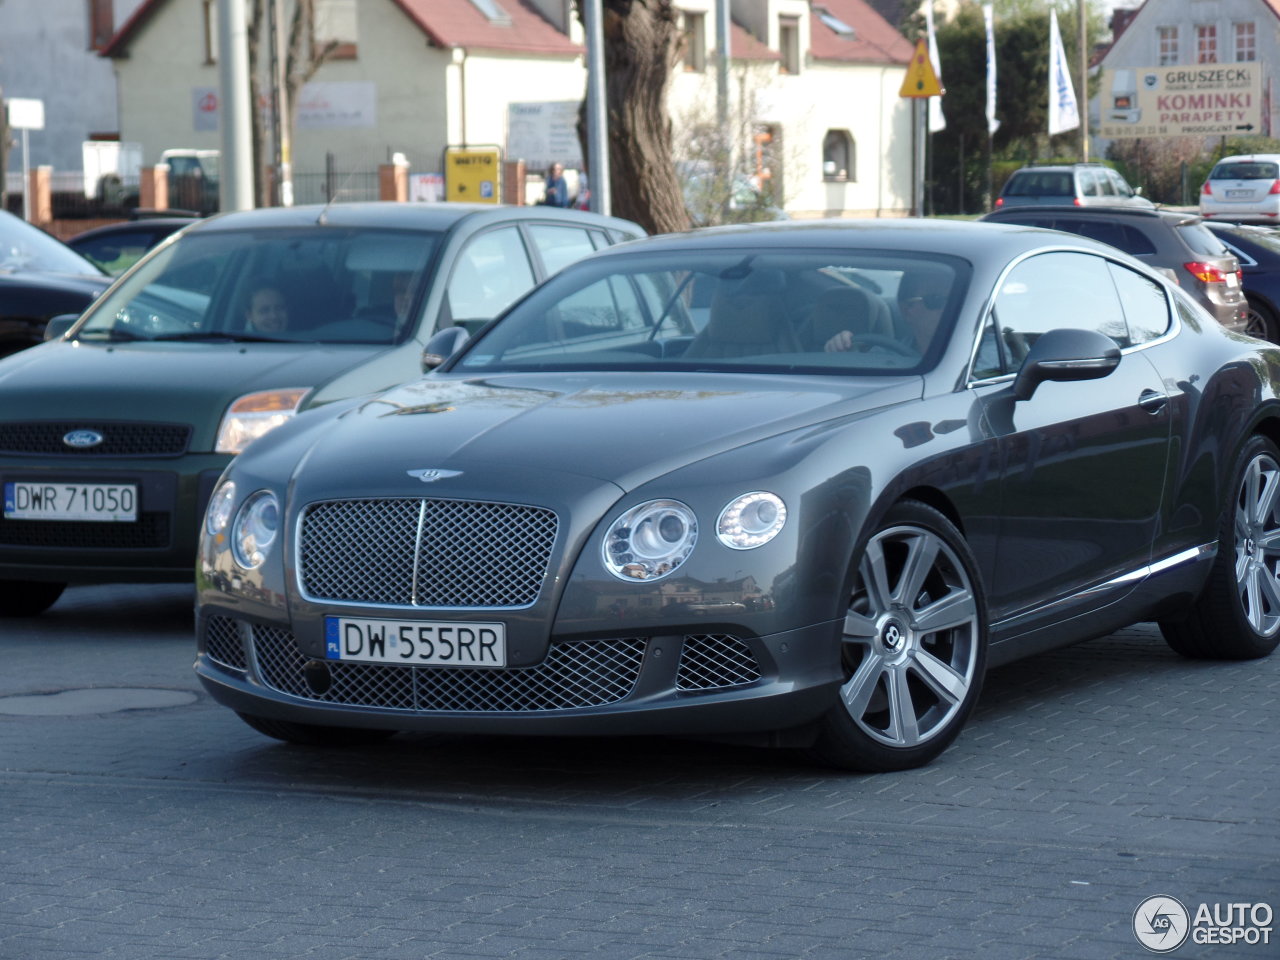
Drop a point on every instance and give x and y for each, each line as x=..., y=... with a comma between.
x=261, y=188
x=641, y=47
x=302, y=57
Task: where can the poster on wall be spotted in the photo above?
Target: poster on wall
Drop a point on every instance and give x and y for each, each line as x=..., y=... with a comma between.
x=204, y=108
x=333, y=104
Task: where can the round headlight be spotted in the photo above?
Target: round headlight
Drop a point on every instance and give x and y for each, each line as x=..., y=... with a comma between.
x=751, y=520
x=218, y=515
x=255, y=529
x=650, y=541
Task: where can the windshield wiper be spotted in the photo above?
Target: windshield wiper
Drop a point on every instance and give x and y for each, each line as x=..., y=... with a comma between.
x=116, y=334
x=222, y=335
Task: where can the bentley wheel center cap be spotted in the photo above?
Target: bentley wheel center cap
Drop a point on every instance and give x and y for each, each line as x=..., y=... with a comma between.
x=893, y=635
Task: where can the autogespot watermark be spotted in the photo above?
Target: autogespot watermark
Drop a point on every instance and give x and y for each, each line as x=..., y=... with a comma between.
x=1162, y=924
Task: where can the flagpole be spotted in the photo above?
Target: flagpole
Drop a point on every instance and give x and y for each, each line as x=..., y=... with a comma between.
x=1084, y=84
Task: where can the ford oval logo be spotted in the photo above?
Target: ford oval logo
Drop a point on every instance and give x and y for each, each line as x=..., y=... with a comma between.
x=82, y=439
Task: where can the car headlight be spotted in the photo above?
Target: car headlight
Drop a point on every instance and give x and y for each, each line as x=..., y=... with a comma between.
x=650, y=541
x=255, y=529
x=751, y=520
x=218, y=515
x=254, y=414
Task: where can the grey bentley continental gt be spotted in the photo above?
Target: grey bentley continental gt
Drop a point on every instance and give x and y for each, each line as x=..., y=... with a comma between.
x=802, y=483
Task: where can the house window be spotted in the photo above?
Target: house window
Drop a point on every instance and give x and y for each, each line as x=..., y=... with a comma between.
x=1206, y=43
x=789, y=43
x=1168, y=39
x=101, y=24
x=837, y=156
x=209, y=23
x=1246, y=41
x=695, y=42
x=336, y=24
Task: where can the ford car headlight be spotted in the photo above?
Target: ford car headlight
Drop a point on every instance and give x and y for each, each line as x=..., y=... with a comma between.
x=255, y=529
x=650, y=541
x=751, y=520
x=218, y=514
x=254, y=414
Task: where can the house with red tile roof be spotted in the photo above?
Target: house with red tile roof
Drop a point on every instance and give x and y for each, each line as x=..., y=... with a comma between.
x=814, y=81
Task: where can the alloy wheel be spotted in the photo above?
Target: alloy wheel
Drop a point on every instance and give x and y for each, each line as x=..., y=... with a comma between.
x=910, y=637
x=1257, y=528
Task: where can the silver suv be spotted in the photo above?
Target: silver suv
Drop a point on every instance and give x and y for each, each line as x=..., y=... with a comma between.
x=1078, y=184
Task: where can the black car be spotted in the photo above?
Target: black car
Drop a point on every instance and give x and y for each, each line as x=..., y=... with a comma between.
x=1180, y=244
x=116, y=247
x=1258, y=250
x=803, y=482
x=40, y=278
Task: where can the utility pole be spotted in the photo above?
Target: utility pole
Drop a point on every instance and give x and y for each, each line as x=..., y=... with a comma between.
x=1081, y=6
x=236, y=169
x=597, y=117
x=281, y=133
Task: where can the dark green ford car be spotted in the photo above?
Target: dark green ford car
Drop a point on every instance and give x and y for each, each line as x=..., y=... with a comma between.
x=114, y=432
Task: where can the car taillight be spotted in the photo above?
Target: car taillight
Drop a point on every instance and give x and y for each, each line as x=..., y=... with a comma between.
x=1206, y=272
x=1077, y=202
x=999, y=201
x=1205, y=189
x=1275, y=187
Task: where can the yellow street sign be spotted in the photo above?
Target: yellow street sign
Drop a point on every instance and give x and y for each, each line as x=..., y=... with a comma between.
x=920, y=80
x=473, y=176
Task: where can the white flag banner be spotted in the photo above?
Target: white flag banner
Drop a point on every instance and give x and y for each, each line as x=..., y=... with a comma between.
x=1063, y=113
x=988, y=17
x=936, y=120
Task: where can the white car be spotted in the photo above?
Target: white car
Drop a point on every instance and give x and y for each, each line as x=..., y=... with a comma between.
x=1243, y=188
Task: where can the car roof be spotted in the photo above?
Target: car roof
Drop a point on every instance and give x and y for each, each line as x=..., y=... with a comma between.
x=1273, y=157
x=1060, y=166
x=145, y=225
x=959, y=238
x=391, y=214
x=1097, y=211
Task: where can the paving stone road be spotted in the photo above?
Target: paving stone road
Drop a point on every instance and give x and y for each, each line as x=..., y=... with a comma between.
x=139, y=820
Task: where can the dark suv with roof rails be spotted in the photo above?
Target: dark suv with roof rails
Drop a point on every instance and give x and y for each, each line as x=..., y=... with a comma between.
x=1178, y=244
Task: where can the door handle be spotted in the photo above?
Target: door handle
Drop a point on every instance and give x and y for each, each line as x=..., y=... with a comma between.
x=1152, y=402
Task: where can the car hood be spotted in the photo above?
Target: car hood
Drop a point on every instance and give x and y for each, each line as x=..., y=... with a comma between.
x=170, y=382
x=89, y=286
x=626, y=428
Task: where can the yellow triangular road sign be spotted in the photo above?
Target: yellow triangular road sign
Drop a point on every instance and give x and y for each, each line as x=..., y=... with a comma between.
x=920, y=80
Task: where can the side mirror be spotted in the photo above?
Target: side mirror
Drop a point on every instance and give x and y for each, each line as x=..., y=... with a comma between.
x=57, y=326
x=442, y=345
x=1065, y=355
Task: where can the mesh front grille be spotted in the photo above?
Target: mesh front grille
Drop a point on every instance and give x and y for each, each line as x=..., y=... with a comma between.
x=588, y=673
x=222, y=642
x=118, y=439
x=149, y=531
x=466, y=553
x=712, y=661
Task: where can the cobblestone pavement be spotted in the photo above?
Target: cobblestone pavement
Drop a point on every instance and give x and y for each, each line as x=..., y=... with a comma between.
x=142, y=821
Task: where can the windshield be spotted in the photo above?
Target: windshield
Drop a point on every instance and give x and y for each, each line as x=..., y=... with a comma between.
x=23, y=248
x=313, y=284
x=1245, y=170
x=858, y=312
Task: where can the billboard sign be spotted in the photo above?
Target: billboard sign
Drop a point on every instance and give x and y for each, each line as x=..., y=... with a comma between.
x=541, y=134
x=1206, y=99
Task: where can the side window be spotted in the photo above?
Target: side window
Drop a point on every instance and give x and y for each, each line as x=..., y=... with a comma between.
x=560, y=246
x=492, y=271
x=1106, y=183
x=1088, y=183
x=1145, y=306
x=1056, y=290
x=1122, y=188
x=988, y=362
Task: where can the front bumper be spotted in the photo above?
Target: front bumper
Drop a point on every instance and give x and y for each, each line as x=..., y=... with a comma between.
x=160, y=546
x=680, y=683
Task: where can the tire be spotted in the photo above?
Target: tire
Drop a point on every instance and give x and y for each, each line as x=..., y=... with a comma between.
x=1237, y=615
x=913, y=646
x=27, y=598
x=313, y=735
x=1262, y=322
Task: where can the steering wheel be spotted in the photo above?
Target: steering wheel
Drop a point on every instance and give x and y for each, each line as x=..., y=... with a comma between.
x=865, y=340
